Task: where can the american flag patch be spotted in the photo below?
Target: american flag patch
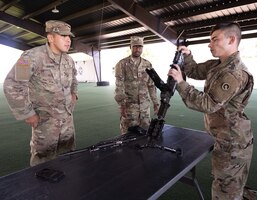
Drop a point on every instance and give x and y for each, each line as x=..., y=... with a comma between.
x=23, y=62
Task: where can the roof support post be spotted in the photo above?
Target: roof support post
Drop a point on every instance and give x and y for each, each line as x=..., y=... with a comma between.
x=96, y=54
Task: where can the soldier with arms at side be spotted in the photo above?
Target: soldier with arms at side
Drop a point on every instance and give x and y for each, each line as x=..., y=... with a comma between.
x=41, y=89
x=133, y=88
x=228, y=87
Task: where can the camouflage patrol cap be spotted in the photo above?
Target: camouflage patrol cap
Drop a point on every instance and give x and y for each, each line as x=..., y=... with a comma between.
x=136, y=41
x=55, y=26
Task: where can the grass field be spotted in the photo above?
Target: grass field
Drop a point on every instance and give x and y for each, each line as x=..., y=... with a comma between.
x=97, y=118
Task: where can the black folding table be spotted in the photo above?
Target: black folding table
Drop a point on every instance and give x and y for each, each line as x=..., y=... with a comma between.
x=116, y=169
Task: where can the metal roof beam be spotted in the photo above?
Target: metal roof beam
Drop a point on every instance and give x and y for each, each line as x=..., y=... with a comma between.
x=245, y=26
x=11, y=43
x=146, y=19
x=8, y=5
x=126, y=44
x=251, y=15
x=44, y=9
x=163, y=4
x=203, y=41
x=34, y=28
x=199, y=10
x=5, y=28
x=122, y=39
x=25, y=24
x=86, y=11
x=21, y=34
x=106, y=32
x=98, y=23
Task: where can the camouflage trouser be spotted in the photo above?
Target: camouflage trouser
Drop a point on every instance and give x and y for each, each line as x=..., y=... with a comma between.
x=136, y=115
x=230, y=168
x=51, y=137
x=249, y=193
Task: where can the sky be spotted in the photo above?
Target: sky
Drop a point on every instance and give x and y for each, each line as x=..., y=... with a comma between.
x=8, y=57
x=160, y=55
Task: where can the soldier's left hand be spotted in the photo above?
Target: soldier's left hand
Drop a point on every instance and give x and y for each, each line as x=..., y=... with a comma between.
x=155, y=108
x=74, y=98
x=33, y=121
x=123, y=111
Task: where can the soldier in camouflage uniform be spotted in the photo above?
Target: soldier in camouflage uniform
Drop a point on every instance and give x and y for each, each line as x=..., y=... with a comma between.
x=228, y=86
x=133, y=88
x=41, y=89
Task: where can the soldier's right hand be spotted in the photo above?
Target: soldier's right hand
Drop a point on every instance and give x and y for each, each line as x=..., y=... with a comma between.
x=33, y=121
x=184, y=50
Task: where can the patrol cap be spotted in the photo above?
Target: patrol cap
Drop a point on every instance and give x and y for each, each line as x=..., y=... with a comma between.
x=55, y=26
x=136, y=41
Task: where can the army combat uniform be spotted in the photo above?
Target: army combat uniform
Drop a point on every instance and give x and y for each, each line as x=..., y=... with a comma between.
x=227, y=89
x=43, y=83
x=133, y=88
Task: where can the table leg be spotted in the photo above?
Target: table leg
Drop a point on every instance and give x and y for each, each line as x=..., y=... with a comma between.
x=193, y=182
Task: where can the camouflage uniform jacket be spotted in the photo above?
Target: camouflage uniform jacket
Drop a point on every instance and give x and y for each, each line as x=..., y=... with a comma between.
x=227, y=89
x=133, y=83
x=40, y=82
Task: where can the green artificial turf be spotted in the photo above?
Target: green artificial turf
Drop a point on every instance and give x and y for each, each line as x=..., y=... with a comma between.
x=97, y=118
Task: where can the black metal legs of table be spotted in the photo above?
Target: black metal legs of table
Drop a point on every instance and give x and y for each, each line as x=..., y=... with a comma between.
x=193, y=182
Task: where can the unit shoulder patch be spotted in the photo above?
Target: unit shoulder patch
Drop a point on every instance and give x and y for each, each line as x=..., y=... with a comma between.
x=224, y=88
